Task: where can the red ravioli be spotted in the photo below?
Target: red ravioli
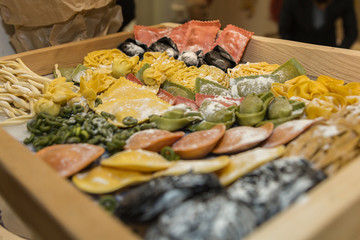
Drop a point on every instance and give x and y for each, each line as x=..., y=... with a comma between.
x=234, y=40
x=201, y=36
x=177, y=35
x=149, y=35
x=134, y=79
x=226, y=101
x=166, y=96
x=188, y=102
x=68, y=159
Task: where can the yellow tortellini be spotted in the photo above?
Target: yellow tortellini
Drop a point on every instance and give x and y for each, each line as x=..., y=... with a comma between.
x=123, y=66
x=48, y=106
x=153, y=77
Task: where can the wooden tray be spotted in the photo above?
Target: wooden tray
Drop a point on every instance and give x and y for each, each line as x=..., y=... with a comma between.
x=54, y=209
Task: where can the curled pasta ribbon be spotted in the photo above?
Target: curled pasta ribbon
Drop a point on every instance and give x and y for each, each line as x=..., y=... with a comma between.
x=325, y=105
x=307, y=89
x=296, y=80
x=353, y=88
x=350, y=89
x=329, y=81
x=350, y=100
x=280, y=89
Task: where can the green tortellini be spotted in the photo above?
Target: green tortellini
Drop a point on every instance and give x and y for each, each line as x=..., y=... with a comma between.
x=251, y=104
x=279, y=108
x=253, y=108
x=214, y=113
x=176, y=119
x=282, y=110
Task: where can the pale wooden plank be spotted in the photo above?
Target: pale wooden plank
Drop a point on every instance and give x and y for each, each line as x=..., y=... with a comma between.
x=51, y=206
x=12, y=222
x=6, y=235
x=317, y=60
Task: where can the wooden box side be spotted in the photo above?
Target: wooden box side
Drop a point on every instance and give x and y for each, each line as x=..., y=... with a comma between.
x=317, y=60
x=56, y=210
x=50, y=206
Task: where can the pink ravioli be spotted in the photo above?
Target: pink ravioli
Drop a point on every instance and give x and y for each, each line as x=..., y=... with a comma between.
x=153, y=139
x=68, y=159
x=149, y=35
x=199, y=144
x=286, y=132
x=234, y=40
x=242, y=138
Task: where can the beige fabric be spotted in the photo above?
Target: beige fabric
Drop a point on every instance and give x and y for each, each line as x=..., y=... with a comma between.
x=44, y=23
x=37, y=13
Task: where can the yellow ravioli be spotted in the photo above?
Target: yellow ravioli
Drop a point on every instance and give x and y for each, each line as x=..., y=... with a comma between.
x=100, y=180
x=138, y=160
x=243, y=163
x=125, y=98
x=195, y=166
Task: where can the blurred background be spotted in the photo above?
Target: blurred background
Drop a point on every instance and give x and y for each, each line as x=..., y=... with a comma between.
x=258, y=16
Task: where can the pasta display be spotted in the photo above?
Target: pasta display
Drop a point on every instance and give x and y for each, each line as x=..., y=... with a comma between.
x=20, y=88
x=243, y=129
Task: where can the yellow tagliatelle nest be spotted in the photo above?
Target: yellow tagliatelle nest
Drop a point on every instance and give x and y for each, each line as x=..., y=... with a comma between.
x=186, y=77
x=103, y=57
x=260, y=68
x=214, y=74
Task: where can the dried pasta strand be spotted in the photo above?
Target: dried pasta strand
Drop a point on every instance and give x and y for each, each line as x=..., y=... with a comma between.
x=260, y=68
x=19, y=89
